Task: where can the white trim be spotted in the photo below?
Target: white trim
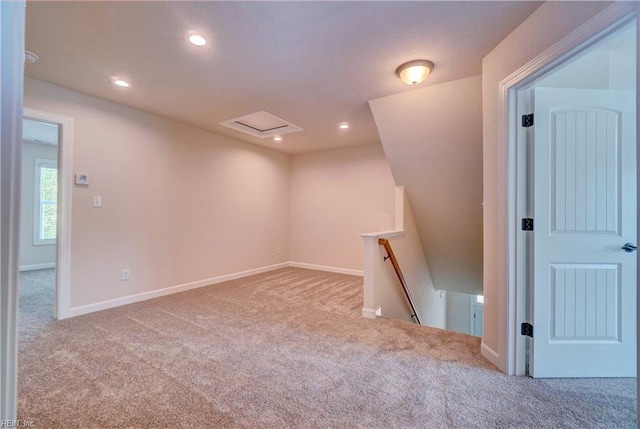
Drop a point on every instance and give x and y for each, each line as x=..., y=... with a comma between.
x=12, y=16
x=130, y=299
x=522, y=256
x=34, y=267
x=490, y=354
x=588, y=34
x=65, y=183
x=637, y=201
x=383, y=234
x=371, y=313
x=511, y=349
x=337, y=270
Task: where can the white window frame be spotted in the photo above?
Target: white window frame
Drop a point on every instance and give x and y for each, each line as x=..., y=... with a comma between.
x=37, y=203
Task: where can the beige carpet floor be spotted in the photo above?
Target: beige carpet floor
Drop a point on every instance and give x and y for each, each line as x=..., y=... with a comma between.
x=284, y=349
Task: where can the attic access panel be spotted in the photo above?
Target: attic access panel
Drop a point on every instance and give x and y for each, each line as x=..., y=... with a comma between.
x=261, y=124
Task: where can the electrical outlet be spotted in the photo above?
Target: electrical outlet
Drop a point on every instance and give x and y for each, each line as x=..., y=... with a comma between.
x=277, y=250
x=125, y=274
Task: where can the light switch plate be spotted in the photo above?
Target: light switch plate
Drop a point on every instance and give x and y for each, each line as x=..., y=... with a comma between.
x=97, y=201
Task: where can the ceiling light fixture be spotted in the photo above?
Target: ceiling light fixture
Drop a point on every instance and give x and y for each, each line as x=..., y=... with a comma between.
x=30, y=57
x=196, y=39
x=120, y=82
x=414, y=72
x=344, y=126
x=277, y=139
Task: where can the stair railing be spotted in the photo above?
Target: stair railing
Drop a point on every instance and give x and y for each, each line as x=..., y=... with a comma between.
x=387, y=247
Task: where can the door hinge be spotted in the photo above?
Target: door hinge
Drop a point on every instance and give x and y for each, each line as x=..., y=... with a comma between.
x=526, y=329
x=527, y=120
x=527, y=224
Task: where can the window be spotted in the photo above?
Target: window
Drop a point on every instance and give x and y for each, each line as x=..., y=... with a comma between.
x=46, y=201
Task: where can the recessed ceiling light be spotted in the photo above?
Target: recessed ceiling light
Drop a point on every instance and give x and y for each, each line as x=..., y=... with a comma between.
x=120, y=82
x=196, y=39
x=30, y=57
x=277, y=139
x=344, y=126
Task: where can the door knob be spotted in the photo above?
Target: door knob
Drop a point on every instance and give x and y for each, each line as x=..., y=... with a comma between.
x=629, y=247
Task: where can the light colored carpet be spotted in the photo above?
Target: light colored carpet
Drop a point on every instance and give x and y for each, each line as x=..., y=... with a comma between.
x=284, y=349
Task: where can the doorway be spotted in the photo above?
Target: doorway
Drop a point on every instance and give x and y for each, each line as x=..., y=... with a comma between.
x=38, y=219
x=579, y=274
x=45, y=236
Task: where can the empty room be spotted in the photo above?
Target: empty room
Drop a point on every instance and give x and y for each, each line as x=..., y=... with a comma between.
x=311, y=214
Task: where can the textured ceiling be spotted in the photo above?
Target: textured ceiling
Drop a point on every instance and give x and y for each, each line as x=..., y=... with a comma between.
x=315, y=64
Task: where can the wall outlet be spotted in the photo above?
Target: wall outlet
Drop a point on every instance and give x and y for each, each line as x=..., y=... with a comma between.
x=277, y=250
x=125, y=274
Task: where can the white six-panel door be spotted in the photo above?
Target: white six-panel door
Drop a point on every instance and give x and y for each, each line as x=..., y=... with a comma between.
x=584, y=284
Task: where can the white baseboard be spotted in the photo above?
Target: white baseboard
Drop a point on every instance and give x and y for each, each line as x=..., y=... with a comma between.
x=337, y=270
x=37, y=266
x=371, y=313
x=491, y=355
x=130, y=299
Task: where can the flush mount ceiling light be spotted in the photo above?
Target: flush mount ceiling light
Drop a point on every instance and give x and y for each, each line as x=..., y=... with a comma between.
x=120, y=82
x=344, y=126
x=414, y=72
x=277, y=139
x=196, y=39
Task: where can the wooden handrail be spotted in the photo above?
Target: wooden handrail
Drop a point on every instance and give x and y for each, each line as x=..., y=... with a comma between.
x=390, y=255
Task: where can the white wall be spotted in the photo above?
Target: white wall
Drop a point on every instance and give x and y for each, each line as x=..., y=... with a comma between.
x=33, y=256
x=609, y=65
x=430, y=303
x=336, y=195
x=179, y=204
x=546, y=26
x=459, y=312
x=433, y=140
x=383, y=292
x=622, y=61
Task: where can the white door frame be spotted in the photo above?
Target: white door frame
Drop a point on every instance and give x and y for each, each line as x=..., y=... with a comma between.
x=512, y=250
x=62, y=307
x=11, y=73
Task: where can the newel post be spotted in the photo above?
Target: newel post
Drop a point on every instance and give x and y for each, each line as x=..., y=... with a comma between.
x=371, y=306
